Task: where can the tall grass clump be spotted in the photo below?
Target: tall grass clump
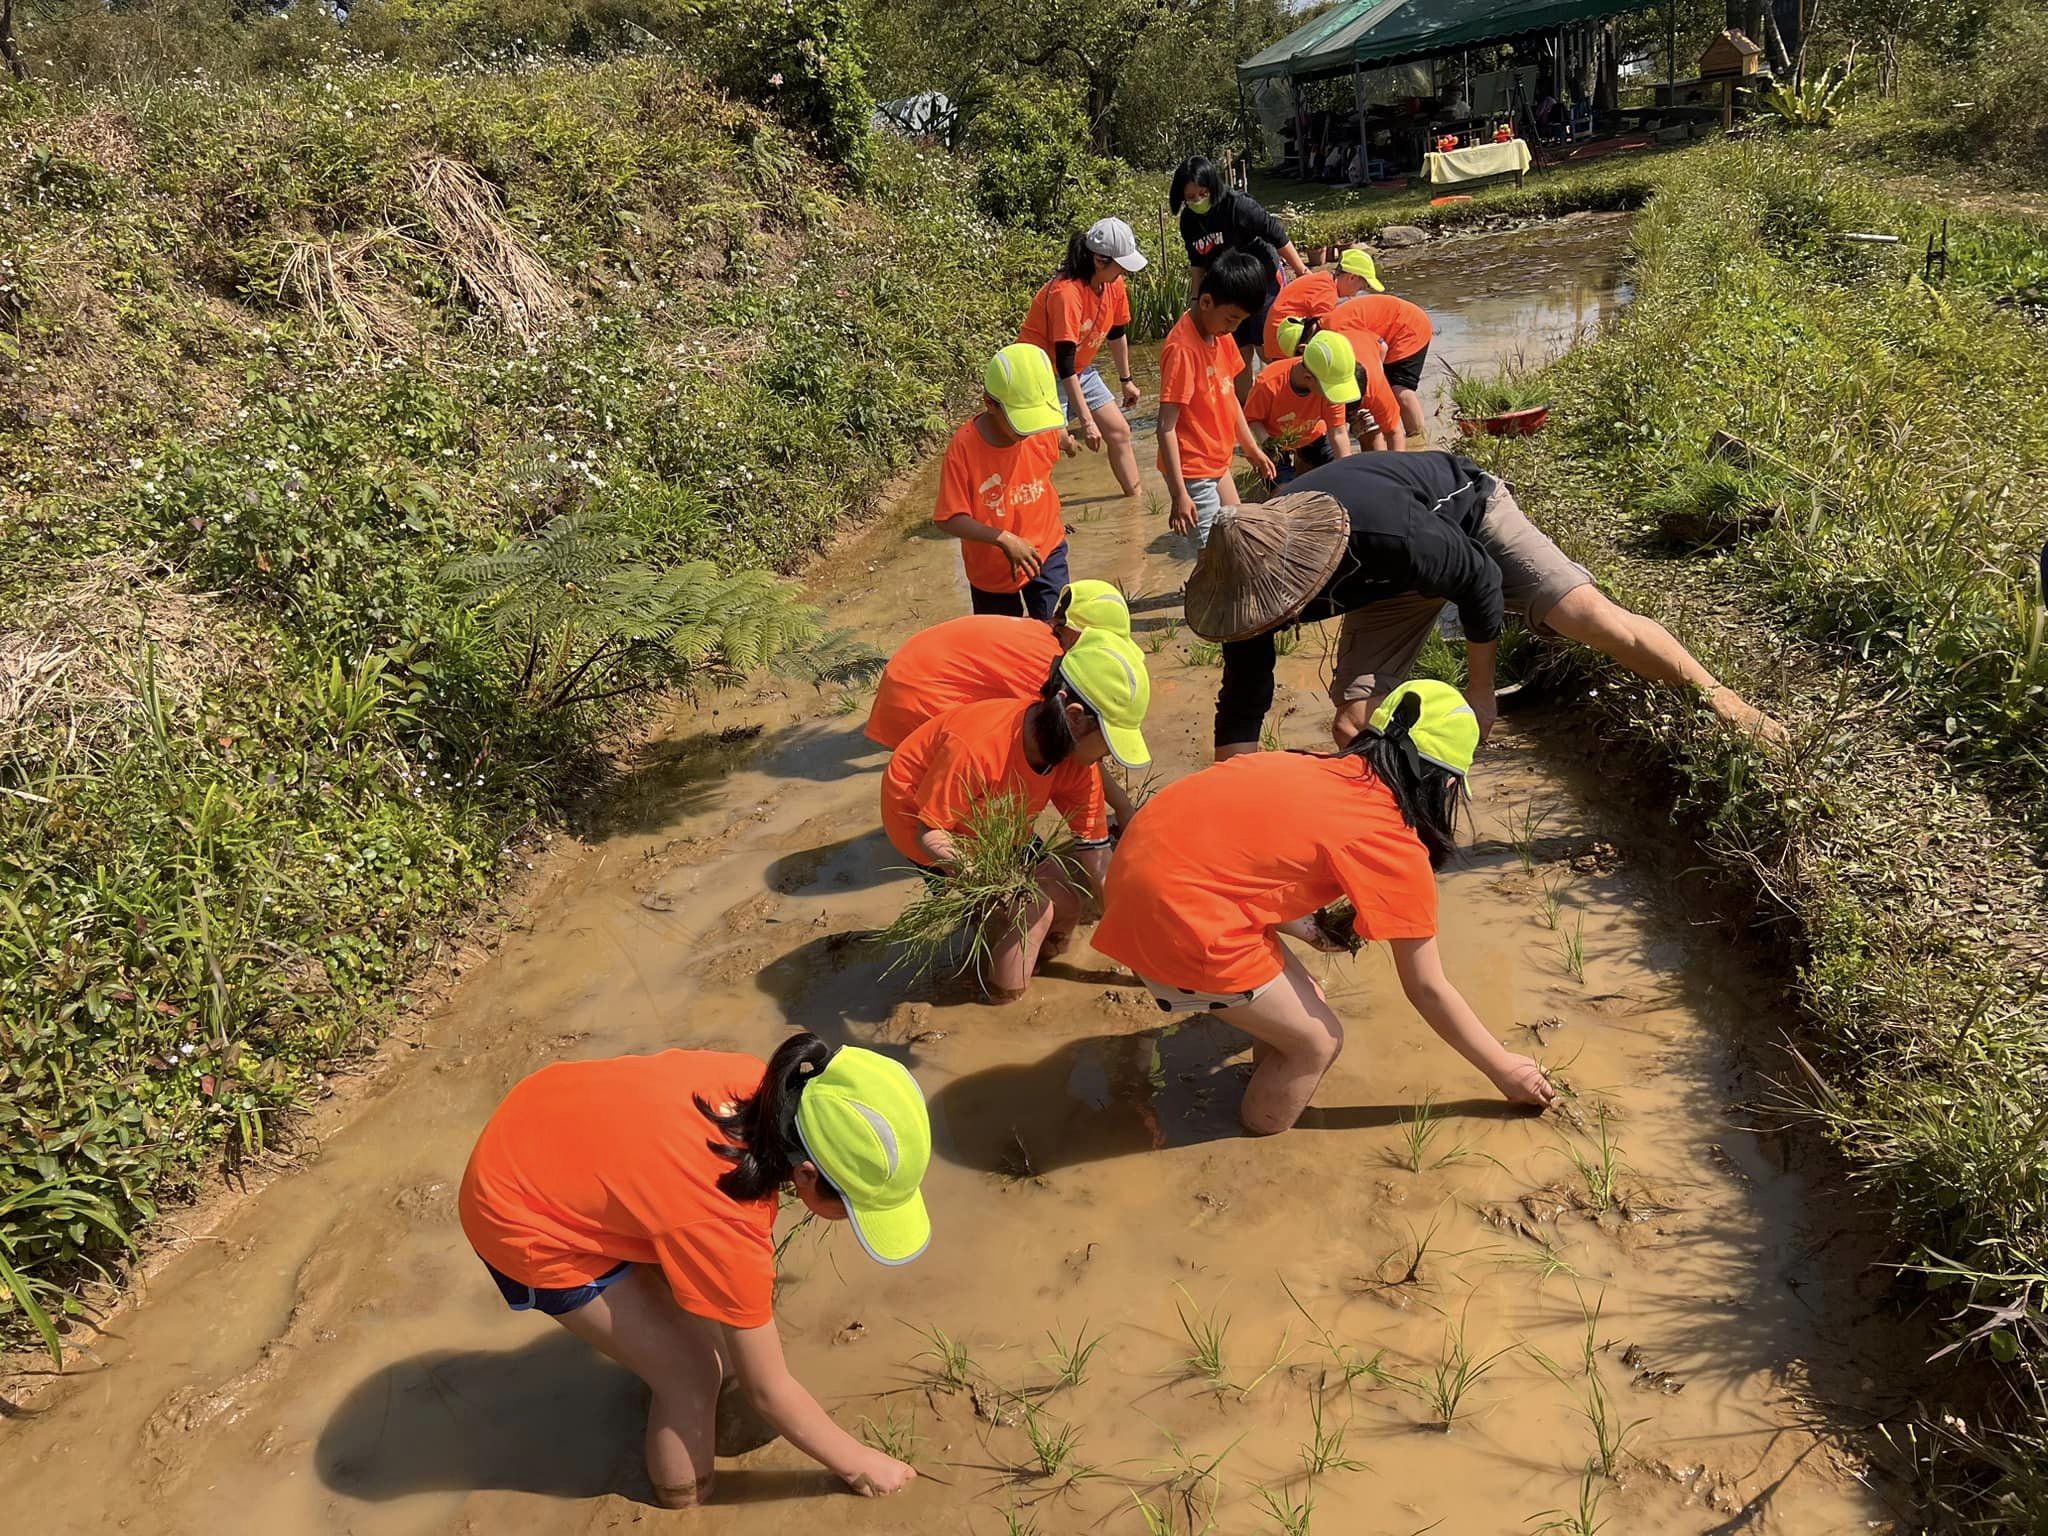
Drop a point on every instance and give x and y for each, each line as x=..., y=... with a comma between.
x=997, y=856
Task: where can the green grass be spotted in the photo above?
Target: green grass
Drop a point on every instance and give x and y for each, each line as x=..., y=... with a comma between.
x=1864, y=563
x=1444, y=1386
x=994, y=884
x=1069, y=1359
x=893, y=1436
x=1205, y=1335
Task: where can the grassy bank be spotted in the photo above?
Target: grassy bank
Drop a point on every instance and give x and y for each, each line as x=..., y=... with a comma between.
x=368, y=439
x=1869, y=570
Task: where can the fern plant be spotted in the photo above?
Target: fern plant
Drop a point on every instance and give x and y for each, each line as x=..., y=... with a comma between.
x=584, y=618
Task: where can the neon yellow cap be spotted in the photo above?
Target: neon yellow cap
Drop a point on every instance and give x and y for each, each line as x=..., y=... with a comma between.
x=1334, y=366
x=1359, y=263
x=863, y=1122
x=1445, y=731
x=1020, y=380
x=1093, y=605
x=1108, y=672
x=1287, y=336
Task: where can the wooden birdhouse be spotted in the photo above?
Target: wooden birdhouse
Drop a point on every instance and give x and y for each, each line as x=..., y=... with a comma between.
x=1730, y=56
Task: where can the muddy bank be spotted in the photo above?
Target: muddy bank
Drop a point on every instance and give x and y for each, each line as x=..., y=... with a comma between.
x=334, y=1359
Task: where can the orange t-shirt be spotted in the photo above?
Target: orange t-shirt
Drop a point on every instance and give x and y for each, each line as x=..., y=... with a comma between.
x=1290, y=420
x=1009, y=489
x=1312, y=295
x=983, y=656
x=1195, y=373
x=589, y=1164
x=1378, y=399
x=1067, y=309
x=1216, y=859
x=949, y=765
x=1404, y=327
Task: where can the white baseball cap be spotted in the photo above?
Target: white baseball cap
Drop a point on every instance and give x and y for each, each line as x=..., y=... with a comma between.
x=1112, y=238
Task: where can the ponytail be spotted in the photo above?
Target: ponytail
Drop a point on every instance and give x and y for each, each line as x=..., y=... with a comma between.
x=1079, y=262
x=758, y=1135
x=1427, y=794
x=1051, y=737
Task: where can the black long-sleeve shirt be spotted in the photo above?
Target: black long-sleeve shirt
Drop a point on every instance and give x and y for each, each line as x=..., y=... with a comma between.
x=1234, y=222
x=1414, y=529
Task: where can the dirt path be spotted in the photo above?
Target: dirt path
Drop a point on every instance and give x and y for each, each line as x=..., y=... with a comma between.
x=333, y=1360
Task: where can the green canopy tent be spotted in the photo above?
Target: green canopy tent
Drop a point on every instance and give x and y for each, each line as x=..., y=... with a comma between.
x=1361, y=34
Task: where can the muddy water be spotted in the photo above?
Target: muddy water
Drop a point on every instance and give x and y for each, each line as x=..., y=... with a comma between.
x=334, y=1360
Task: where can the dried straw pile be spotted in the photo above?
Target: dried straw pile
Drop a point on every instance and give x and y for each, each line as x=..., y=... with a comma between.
x=503, y=278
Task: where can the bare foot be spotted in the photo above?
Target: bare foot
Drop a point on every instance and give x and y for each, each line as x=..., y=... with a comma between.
x=1747, y=718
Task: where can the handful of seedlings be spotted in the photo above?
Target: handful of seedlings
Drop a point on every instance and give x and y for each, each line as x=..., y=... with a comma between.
x=1338, y=925
x=995, y=881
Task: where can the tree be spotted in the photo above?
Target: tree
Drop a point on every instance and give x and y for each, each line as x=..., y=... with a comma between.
x=8, y=50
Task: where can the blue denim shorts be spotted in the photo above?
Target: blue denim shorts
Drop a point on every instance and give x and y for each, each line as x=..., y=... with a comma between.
x=1208, y=500
x=521, y=1297
x=1093, y=390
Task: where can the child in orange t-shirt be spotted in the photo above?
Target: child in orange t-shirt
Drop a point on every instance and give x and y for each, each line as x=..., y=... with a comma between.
x=633, y=1201
x=1083, y=309
x=995, y=488
x=1303, y=427
x=1405, y=332
x=1224, y=861
x=1038, y=752
x=1201, y=422
x=1374, y=406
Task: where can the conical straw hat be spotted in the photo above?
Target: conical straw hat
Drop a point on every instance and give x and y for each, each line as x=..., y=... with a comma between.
x=1263, y=562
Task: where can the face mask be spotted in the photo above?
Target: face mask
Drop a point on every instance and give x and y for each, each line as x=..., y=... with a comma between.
x=1198, y=207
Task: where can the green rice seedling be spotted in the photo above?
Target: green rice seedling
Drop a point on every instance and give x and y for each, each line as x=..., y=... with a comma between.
x=952, y=1367
x=1610, y=1430
x=1280, y=1356
x=1288, y=1517
x=1419, y=1127
x=1586, y=1519
x=1157, y=641
x=1158, y=1518
x=1601, y=1169
x=1547, y=1261
x=1194, y=1483
x=1287, y=641
x=1349, y=1362
x=1553, y=906
x=1523, y=832
x=994, y=882
x=1069, y=1362
x=1269, y=739
x=1410, y=1258
x=1571, y=947
x=1446, y=1384
x=1015, y=1524
x=1477, y=395
x=1324, y=1451
x=782, y=1243
x=846, y=704
x=1205, y=1341
x=890, y=1437
x=1205, y=653
x=1053, y=1446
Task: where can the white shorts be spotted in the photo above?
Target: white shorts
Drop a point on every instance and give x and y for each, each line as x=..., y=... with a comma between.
x=1178, y=1000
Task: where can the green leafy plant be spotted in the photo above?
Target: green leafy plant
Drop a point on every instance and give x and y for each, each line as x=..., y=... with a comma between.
x=1290, y=1516
x=1054, y=1446
x=1812, y=102
x=1350, y=1363
x=1571, y=947
x=1324, y=1451
x=584, y=619
x=1602, y=1172
x=1205, y=653
x=952, y=1366
x=1585, y=1518
x=1479, y=397
x=1445, y=1384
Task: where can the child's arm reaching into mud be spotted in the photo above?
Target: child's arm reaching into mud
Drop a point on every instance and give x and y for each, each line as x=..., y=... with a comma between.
x=787, y=1404
x=1421, y=969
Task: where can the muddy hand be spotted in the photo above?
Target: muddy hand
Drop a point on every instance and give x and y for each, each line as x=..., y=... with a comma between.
x=1092, y=435
x=1182, y=518
x=879, y=1475
x=1521, y=1081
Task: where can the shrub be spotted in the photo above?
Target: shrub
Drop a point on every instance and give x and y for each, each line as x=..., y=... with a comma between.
x=1032, y=165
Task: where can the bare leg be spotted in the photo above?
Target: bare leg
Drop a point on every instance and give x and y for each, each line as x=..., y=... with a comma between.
x=1302, y=1038
x=638, y=1324
x=1116, y=437
x=1411, y=414
x=1648, y=649
x=1016, y=945
x=1353, y=716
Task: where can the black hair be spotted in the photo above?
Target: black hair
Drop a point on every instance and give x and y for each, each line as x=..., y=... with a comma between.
x=1079, y=262
x=1428, y=794
x=1309, y=326
x=1238, y=278
x=758, y=1134
x=1052, y=739
x=1199, y=170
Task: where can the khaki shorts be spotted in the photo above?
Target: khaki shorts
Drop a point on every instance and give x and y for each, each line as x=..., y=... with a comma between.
x=1377, y=647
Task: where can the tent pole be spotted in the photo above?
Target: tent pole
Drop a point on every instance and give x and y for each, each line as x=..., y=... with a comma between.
x=1358, y=106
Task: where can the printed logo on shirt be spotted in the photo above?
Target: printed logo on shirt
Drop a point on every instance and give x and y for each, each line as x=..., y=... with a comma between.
x=998, y=500
x=1204, y=244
